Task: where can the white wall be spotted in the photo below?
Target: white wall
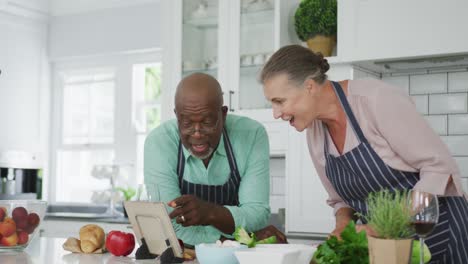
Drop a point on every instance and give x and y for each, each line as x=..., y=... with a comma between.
x=106, y=31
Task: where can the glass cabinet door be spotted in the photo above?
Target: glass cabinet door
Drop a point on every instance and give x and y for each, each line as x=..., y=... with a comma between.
x=257, y=43
x=200, y=37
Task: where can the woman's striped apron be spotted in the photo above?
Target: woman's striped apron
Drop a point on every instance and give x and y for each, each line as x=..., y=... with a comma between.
x=361, y=171
x=226, y=194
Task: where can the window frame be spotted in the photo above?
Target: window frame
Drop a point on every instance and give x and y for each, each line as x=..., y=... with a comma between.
x=125, y=133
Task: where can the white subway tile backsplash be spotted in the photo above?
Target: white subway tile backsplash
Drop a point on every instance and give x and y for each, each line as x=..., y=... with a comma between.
x=458, y=81
x=458, y=145
x=421, y=103
x=438, y=123
x=448, y=103
x=399, y=81
x=458, y=124
x=462, y=163
x=428, y=83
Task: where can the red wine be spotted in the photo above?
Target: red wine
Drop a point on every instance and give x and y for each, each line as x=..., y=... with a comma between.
x=423, y=228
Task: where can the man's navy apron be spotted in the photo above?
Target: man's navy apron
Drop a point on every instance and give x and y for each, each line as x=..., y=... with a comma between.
x=226, y=194
x=361, y=171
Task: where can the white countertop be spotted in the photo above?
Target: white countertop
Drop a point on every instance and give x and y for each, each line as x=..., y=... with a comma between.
x=46, y=250
x=49, y=250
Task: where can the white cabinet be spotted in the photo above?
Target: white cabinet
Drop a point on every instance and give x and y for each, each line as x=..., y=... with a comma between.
x=23, y=67
x=229, y=40
x=378, y=30
x=306, y=209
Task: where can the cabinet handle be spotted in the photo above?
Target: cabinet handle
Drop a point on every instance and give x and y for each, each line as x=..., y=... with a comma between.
x=230, y=101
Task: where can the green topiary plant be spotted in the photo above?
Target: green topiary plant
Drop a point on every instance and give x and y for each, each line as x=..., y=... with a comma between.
x=316, y=17
x=389, y=215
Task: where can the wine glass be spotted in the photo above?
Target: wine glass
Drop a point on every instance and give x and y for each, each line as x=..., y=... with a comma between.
x=424, y=208
x=148, y=192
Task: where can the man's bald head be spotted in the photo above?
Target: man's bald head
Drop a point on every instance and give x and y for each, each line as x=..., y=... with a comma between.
x=200, y=114
x=198, y=89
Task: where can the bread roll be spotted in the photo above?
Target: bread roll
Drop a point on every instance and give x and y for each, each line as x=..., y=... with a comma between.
x=92, y=238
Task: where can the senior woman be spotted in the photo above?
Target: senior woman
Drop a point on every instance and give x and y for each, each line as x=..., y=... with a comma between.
x=364, y=136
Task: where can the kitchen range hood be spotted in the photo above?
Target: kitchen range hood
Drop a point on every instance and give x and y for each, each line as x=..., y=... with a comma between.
x=424, y=64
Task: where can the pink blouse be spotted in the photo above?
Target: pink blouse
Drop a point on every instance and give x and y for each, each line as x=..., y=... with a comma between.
x=396, y=132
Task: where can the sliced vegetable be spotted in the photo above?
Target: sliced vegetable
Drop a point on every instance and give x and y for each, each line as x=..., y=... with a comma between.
x=268, y=240
x=243, y=237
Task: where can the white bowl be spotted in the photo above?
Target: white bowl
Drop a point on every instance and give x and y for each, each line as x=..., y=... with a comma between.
x=214, y=254
x=267, y=255
x=305, y=252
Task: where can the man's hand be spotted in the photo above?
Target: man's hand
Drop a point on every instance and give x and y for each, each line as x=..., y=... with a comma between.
x=191, y=211
x=271, y=231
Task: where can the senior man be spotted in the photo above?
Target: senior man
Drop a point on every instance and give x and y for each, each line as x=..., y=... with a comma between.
x=212, y=168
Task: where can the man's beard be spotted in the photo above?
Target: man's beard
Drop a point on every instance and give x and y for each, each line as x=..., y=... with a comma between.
x=205, y=156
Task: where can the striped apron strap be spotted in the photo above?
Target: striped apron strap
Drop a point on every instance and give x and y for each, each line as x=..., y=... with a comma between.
x=349, y=113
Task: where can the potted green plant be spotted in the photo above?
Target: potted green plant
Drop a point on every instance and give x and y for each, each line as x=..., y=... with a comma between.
x=389, y=216
x=315, y=22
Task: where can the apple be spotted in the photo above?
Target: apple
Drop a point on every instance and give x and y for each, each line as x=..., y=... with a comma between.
x=9, y=240
x=19, y=213
x=33, y=219
x=7, y=227
x=120, y=243
x=3, y=213
x=23, y=237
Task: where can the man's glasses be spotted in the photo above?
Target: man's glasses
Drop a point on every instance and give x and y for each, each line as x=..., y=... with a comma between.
x=204, y=127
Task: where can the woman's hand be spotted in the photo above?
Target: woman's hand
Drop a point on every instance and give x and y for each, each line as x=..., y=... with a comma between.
x=369, y=231
x=337, y=232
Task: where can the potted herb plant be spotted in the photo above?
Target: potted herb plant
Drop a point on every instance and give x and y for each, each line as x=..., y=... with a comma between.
x=389, y=216
x=316, y=23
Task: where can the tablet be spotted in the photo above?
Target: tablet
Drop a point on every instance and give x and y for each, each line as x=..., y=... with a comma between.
x=151, y=221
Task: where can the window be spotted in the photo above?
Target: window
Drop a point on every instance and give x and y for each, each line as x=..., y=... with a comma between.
x=147, y=102
x=87, y=133
x=103, y=111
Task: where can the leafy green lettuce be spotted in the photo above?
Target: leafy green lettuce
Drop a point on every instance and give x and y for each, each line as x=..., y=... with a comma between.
x=243, y=237
x=351, y=249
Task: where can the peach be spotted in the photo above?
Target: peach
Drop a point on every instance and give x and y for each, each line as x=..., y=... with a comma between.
x=23, y=237
x=19, y=213
x=7, y=227
x=33, y=219
x=9, y=240
x=3, y=213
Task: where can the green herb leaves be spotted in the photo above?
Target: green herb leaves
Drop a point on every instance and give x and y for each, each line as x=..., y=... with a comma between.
x=352, y=249
x=388, y=214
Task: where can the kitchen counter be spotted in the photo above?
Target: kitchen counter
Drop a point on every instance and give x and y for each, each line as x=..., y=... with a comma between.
x=49, y=250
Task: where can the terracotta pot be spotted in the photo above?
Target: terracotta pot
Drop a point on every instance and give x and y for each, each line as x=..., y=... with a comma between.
x=390, y=251
x=322, y=44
